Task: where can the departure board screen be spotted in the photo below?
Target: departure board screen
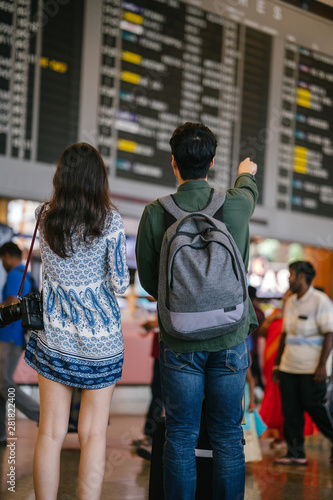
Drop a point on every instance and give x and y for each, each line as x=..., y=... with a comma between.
x=40, y=53
x=122, y=75
x=168, y=83
x=176, y=63
x=255, y=92
x=306, y=149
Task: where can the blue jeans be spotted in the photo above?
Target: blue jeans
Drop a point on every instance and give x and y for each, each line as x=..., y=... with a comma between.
x=186, y=378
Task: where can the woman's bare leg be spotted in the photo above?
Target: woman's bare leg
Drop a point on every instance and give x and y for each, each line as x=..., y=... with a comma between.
x=93, y=421
x=55, y=401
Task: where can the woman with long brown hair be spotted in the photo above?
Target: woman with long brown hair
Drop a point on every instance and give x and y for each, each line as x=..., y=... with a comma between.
x=83, y=253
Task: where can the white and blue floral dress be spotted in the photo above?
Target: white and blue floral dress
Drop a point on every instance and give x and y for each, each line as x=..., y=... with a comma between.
x=82, y=342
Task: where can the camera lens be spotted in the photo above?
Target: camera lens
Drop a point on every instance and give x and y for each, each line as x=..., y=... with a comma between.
x=9, y=314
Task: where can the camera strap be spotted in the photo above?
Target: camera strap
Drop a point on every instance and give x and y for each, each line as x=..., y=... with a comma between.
x=29, y=254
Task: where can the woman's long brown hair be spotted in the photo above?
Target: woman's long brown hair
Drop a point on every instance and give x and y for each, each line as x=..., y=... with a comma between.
x=80, y=201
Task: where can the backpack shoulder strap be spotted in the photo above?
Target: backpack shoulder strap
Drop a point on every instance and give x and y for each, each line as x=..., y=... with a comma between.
x=214, y=207
x=173, y=212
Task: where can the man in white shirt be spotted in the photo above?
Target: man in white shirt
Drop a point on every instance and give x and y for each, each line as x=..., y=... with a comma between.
x=304, y=361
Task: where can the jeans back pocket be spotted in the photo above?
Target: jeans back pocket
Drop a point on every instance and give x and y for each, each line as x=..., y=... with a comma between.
x=177, y=360
x=238, y=357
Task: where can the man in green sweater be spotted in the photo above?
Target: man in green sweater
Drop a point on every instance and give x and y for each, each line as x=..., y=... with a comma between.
x=216, y=367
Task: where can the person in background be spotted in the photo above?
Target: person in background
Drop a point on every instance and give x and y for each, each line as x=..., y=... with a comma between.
x=83, y=250
x=12, y=338
x=304, y=362
x=254, y=339
x=155, y=409
x=271, y=406
x=215, y=367
x=253, y=424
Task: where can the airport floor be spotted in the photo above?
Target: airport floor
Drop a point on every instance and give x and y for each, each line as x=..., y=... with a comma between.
x=127, y=475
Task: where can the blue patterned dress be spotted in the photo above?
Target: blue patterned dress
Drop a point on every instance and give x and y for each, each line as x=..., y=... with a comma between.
x=82, y=342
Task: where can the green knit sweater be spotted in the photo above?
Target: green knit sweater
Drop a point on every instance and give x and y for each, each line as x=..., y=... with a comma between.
x=191, y=196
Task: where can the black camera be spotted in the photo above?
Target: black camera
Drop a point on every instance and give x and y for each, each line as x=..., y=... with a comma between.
x=29, y=309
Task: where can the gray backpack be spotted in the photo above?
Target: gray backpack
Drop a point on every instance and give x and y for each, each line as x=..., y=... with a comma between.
x=202, y=290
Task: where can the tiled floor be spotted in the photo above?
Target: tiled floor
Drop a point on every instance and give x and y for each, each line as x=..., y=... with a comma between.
x=127, y=475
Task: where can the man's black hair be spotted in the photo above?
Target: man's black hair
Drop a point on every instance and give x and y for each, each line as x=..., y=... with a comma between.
x=193, y=146
x=303, y=266
x=12, y=249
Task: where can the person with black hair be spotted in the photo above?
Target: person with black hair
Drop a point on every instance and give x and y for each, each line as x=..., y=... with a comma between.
x=304, y=361
x=254, y=339
x=83, y=250
x=215, y=367
x=12, y=338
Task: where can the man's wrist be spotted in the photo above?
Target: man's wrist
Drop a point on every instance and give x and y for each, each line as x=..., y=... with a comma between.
x=276, y=367
x=252, y=176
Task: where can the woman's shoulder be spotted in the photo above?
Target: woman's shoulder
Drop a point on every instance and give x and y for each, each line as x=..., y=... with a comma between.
x=113, y=221
x=38, y=209
x=42, y=206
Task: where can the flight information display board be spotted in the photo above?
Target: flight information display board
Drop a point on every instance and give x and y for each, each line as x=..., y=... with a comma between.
x=305, y=181
x=123, y=75
x=176, y=63
x=40, y=54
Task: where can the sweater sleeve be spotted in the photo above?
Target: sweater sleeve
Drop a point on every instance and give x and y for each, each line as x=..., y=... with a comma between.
x=117, y=265
x=238, y=208
x=147, y=252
